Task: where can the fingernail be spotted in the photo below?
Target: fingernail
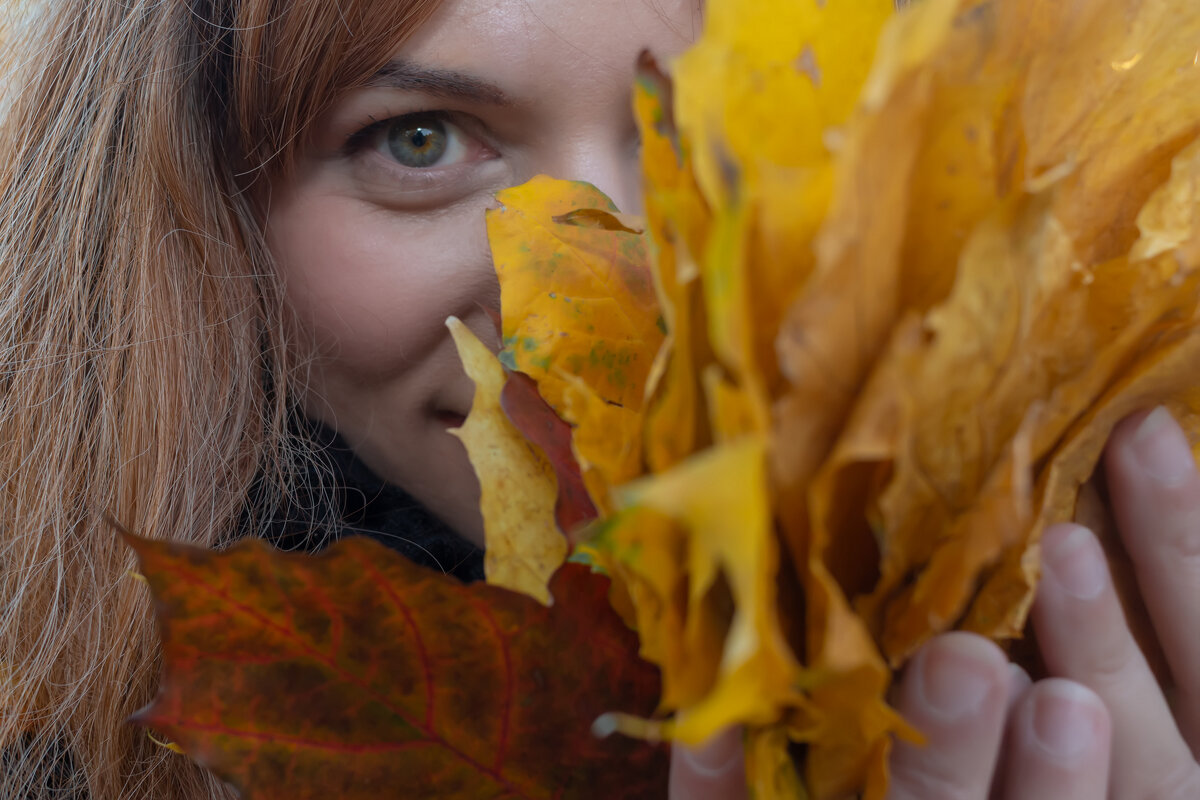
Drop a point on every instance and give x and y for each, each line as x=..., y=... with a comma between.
x=956, y=674
x=717, y=756
x=1064, y=719
x=1073, y=560
x=1161, y=448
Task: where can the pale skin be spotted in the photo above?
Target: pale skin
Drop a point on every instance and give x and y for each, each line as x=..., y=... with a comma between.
x=379, y=237
x=376, y=254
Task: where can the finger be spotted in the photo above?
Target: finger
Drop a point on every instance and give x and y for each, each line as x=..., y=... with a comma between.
x=714, y=770
x=1058, y=744
x=1018, y=683
x=1155, y=493
x=955, y=692
x=1083, y=637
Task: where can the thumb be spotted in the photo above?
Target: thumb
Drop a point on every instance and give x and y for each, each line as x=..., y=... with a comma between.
x=715, y=770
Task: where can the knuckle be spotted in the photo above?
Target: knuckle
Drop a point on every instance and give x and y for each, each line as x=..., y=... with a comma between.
x=1182, y=783
x=932, y=779
x=1177, y=514
x=1184, y=540
x=1109, y=664
x=1179, y=521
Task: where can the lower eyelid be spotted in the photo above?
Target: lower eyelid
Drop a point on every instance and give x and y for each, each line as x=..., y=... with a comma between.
x=398, y=171
x=385, y=181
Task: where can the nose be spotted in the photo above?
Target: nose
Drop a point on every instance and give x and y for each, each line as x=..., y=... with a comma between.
x=612, y=167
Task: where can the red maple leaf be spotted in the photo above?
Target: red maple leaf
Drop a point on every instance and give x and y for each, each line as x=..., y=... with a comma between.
x=357, y=674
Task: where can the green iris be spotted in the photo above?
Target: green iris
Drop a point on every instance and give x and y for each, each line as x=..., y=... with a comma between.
x=418, y=143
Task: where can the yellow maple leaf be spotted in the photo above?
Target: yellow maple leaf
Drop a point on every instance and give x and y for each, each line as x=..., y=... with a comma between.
x=580, y=315
x=676, y=217
x=518, y=489
x=770, y=771
x=720, y=499
x=913, y=267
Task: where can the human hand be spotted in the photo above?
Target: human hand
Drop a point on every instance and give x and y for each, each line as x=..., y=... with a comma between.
x=1101, y=727
x=962, y=693
x=992, y=733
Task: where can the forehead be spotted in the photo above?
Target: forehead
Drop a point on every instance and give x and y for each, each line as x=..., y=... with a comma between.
x=530, y=43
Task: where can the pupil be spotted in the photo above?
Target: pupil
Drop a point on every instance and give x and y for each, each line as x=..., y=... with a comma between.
x=418, y=143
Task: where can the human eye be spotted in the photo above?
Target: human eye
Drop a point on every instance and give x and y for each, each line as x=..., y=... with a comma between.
x=423, y=159
x=423, y=142
x=420, y=141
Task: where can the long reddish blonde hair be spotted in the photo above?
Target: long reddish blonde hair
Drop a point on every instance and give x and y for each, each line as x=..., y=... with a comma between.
x=144, y=371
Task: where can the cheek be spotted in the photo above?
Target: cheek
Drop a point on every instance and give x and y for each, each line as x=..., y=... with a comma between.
x=371, y=288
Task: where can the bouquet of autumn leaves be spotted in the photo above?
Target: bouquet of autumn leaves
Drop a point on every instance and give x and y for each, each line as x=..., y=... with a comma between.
x=899, y=275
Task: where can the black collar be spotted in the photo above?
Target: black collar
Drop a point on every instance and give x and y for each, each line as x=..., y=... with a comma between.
x=368, y=506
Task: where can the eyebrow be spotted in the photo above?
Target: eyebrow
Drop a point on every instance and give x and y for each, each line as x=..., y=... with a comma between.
x=408, y=77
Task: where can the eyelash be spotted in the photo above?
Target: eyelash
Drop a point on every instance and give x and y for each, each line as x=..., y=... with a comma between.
x=368, y=130
x=478, y=166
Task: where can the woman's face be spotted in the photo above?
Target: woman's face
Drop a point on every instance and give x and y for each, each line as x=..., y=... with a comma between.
x=380, y=233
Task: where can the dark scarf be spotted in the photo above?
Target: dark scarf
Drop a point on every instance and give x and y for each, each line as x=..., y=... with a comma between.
x=368, y=506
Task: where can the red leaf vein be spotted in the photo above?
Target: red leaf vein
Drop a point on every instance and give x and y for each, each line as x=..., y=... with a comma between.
x=304, y=647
